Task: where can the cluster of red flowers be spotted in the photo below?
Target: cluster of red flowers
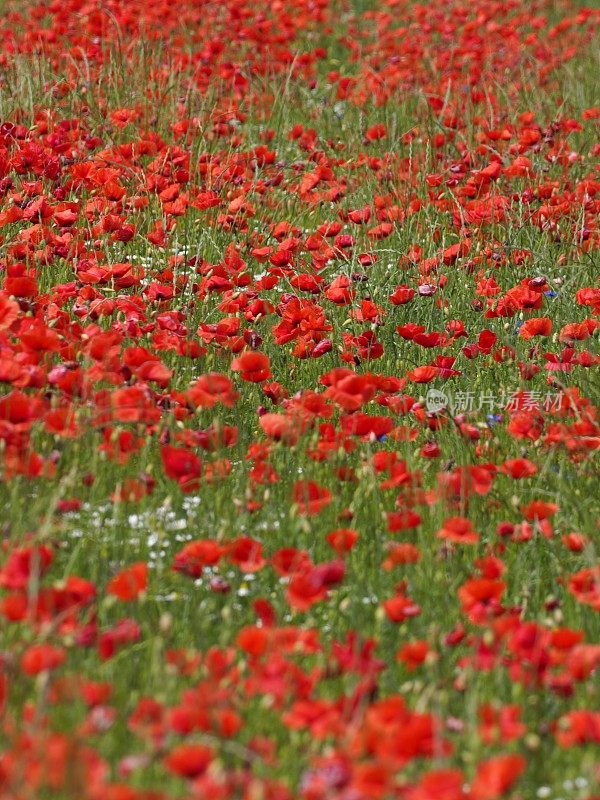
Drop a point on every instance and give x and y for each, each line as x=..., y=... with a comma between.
x=202, y=297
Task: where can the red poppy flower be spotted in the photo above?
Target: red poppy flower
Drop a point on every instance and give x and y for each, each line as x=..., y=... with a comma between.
x=310, y=497
x=181, y=465
x=130, y=582
x=281, y=428
x=210, y=389
x=447, y=784
x=195, y=556
x=413, y=654
x=400, y=608
x=254, y=367
x=536, y=326
x=519, y=468
x=480, y=596
x=347, y=389
x=41, y=657
x=247, y=553
x=404, y=520
x=539, y=510
x=585, y=586
x=189, y=760
x=495, y=776
x=458, y=530
x=342, y=540
x=126, y=631
x=402, y=553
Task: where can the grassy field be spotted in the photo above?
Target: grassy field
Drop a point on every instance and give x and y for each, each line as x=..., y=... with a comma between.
x=299, y=325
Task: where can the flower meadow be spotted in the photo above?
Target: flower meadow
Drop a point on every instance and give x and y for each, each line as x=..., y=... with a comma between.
x=299, y=435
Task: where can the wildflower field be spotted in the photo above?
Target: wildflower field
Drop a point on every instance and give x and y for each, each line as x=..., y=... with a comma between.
x=299, y=434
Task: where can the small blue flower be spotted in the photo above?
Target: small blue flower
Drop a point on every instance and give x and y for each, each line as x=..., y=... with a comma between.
x=493, y=419
x=551, y=293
